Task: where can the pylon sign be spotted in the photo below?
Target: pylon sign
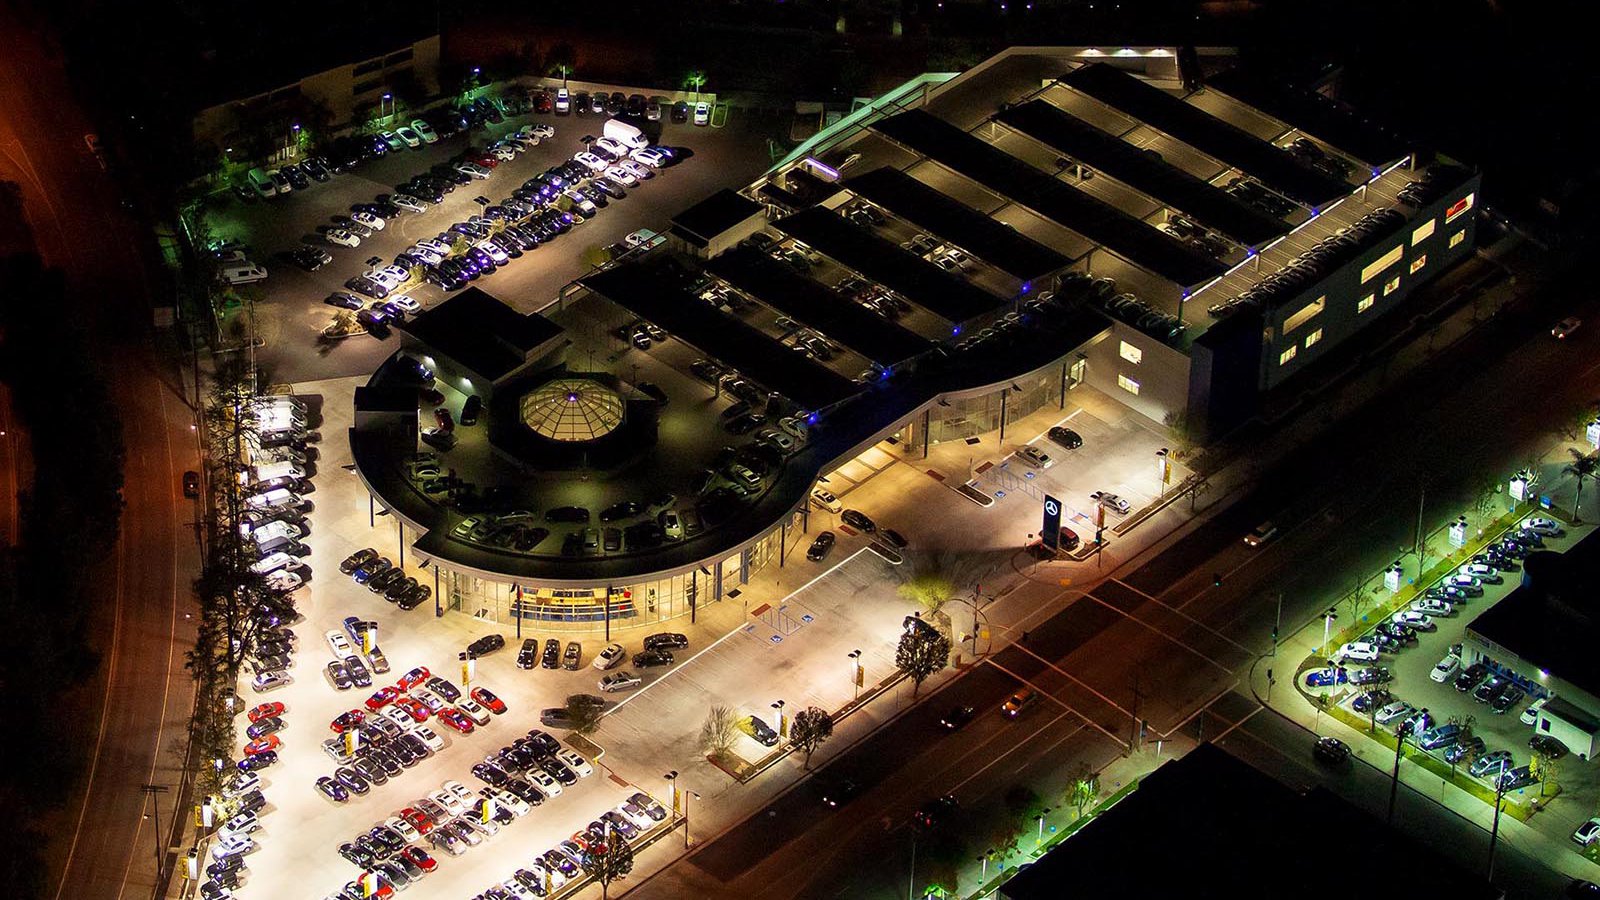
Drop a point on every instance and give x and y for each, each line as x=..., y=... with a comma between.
x=1051, y=533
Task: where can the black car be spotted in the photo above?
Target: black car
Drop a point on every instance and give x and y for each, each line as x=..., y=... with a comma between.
x=651, y=658
x=665, y=640
x=931, y=814
x=574, y=514
x=352, y=779
x=623, y=510
x=839, y=792
x=528, y=656
x=857, y=519
x=445, y=689
x=680, y=112
x=1330, y=750
x=359, y=856
x=485, y=645
x=958, y=717
x=490, y=774
x=1065, y=437
x=821, y=547
x=264, y=727
x=1470, y=676
x=551, y=658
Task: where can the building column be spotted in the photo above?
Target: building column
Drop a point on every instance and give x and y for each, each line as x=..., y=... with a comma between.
x=926, y=439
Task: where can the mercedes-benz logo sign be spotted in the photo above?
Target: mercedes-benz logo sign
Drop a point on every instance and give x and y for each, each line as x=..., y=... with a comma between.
x=1051, y=508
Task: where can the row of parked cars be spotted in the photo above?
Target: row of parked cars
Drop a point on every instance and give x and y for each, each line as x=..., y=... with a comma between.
x=244, y=806
x=563, y=863
x=382, y=577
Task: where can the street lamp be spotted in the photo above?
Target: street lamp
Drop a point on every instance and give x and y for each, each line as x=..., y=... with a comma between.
x=778, y=705
x=389, y=99
x=696, y=80
x=672, y=788
x=855, y=671
x=687, y=796
x=1163, y=472
x=1042, y=813
x=1499, y=795
x=1327, y=623
x=1400, y=735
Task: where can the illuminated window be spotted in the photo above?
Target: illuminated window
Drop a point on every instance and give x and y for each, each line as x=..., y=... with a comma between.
x=1305, y=314
x=1365, y=303
x=1392, y=286
x=1459, y=208
x=1127, y=384
x=1377, y=266
x=1458, y=237
x=1285, y=356
x=1418, y=263
x=1423, y=232
x=1313, y=337
x=1131, y=353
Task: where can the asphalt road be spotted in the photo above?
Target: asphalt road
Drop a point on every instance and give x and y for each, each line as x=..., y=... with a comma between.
x=1481, y=408
x=130, y=715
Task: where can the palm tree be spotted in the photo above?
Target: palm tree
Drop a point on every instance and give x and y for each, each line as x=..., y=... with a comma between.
x=1582, y=467
x=931, y=577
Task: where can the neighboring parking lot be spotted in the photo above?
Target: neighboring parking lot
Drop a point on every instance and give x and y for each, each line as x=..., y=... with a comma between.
x=289, y=304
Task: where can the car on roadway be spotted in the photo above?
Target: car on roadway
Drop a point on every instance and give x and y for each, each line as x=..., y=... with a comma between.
x=1262, y=533
x=1565, y=327
x=957, y=717
x=1017, y=702
x=1330, y=750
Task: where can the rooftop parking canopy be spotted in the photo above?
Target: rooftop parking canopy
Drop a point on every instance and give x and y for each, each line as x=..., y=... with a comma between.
x=907, y=274
x=1206, y=133
x=481, y=333
x=659, y=294
x=995, y=243
x=809, y=303
x=1314, y=114
x=712, y=216
x=1139, y=243
x=1143, y=171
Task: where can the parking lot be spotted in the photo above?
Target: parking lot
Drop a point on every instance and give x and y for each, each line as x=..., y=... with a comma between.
x=289, y=307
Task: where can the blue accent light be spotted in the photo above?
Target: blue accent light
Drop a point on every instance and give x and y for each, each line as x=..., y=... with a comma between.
x=1027, y=286
x=811, y=419
x=956, y=331
x=1315, y=212
x=1250, y=251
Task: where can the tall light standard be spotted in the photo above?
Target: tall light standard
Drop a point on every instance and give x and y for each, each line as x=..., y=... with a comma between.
x=389, y=99
x=1042, y=813
x=855, y=672
x=1499, y=795
x=672, y=789
x=1163, y=472
x=1400, y=735
x=687, y=796
x=154, y=792
x=696, y=80
x=777, y=705
x=1327, y=624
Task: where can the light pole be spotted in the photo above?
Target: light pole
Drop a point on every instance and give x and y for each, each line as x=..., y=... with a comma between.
x=687, y=796
x=1327, y=624
x=1042, y=813
x=1163, y=472
x=778, y=706
x=696, y=80
x=983, y=876
x=389, y=99
x=1400, y=735
x=855, y=672
x=672, y=789
x=154, y=792
x=1499, y=795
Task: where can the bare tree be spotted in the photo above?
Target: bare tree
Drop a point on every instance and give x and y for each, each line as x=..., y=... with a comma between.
x=608, y=860
x=719, y=731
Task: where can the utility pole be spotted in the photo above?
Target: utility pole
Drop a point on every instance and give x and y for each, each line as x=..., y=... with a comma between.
x=1422, y=549
x=154, y=792
x=1494, y=832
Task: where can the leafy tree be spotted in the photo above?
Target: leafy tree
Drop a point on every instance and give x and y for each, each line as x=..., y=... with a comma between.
x=1084, y=788
x=1545, y=769
x=719, y=731
x=921, y=653
x=585, y=716
x=929, y=578
x=561, y=60
x=1583, y=467
x=1023, y=802
x=608, y=860
x=810, y=729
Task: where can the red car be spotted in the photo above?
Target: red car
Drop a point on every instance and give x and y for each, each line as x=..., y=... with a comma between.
x=419, y=820
x=443, y=417
x=489, y=700
x=420, y=856
x=266, y=711
x=413, y=678
x=347, y=721
x=261, y=745
x=418, y=710
x=383, y=892
x=383, y=697
x=485, y=160
x=456, y=719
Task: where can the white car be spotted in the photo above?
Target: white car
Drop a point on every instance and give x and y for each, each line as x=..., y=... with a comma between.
x=610, y=656
x=1543, y=526
x=429, y=736
x=613, y=147
x=223, y=850
x=590, y=161
x=406, y=303
x=1413, y=619
x=449, y=801
x=1445, y=669
x=406, y=829
x=545, y=783
x=442, y=248
x=622, y=176
x=392, y=139
x=398, y=715
x=1035, y=458
x=563, y=102
x=1432, y=607
x=619, y=681
x=780, y=439
x=1396, y=710
x=376, y=223
x=826, y=500
x=1361, y=651
x=472, y=170
x=641, y=172
x=424, y=131
x=1485, y=574
x=283, y=582
x=427, y=698
x=340, y=645
x=511, y=801
x=543, y=132
x=495, y=253
x=503, y=153
x=1530, y=716
x=702, y=113
x=1112, y=502
x=411, y=138
x=1587, y=833
x=575, y=761
x=406, y=201
x=651, y=157
x=473, y=710
x=341, y=237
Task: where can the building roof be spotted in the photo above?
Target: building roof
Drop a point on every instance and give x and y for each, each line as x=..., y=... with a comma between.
x=262, y=55
x=656, y=292
x=1552, y=619
x=950, y=220
x=481, y=333
x=1143, y=171
x=815, y=306
x=712, y=216
x=1138, y=242
x=1206, y=133
x=1209, y=825
x=907, y=274
x=1319, y=116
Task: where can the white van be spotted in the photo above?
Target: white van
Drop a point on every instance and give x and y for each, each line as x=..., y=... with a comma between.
x=270, y=471
x=262, y=183
x=563, y=102
x=276, y=401
x=275, y=562
x=625, y=134
x=280, y=497
x=244, y=273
